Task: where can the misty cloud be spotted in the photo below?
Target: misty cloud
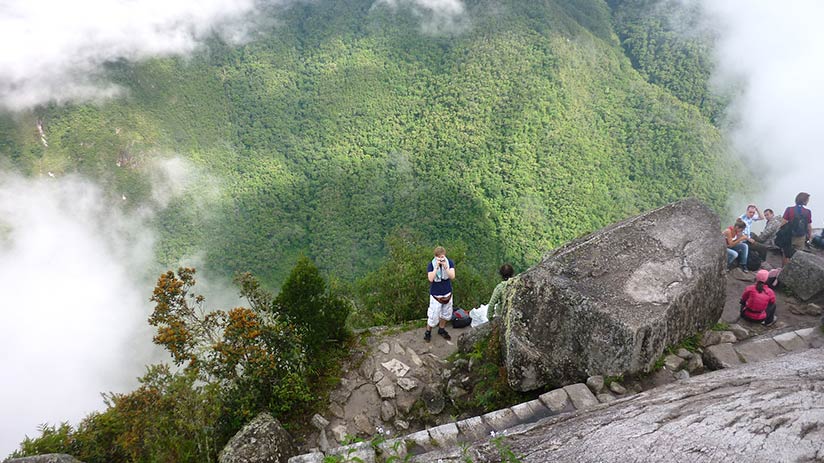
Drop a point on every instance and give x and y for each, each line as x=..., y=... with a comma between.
x=436, y=16
x=772, y=52
x=54, y=50
x=74, y=301
x=76, y=274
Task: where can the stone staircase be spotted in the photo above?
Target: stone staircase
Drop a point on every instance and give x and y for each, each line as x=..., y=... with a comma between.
x=442, y=442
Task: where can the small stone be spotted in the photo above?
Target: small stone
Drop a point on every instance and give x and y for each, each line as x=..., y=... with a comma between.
x=378, y=376
x=386, y=390
x=711, y=338
x=414, y=357
x=727, y=336
x=401, y=424
x=617, y=388
x=681, y=375
x=460, y=364
x=555, y=400
x=339, y=433
x=580, y=396
x=396, y=367
x=695, y=365
x=397, y=349
x=363, y=425
x=434, y=399
x=319, y=422
x=323, y=441
x=407, y=384
x=456, y=392
x=721, y=356
x=383, y=347
x=739, y=331
x=684, y=353
x=387, y=411
x=605, y=397
x=673, y=362
x=595, y=384
x=336, y=410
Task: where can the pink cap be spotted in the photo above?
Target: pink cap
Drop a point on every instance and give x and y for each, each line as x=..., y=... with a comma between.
x=762, y=276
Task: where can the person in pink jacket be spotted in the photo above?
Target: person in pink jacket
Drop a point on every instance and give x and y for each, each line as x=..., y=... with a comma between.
x=758, y=301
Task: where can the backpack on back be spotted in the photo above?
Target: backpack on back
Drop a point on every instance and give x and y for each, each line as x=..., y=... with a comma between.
x=798, y=224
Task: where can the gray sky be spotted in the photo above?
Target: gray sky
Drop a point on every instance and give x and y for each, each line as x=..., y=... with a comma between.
x=775, y=50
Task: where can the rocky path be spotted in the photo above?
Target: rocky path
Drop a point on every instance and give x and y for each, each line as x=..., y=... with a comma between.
x=397, y=369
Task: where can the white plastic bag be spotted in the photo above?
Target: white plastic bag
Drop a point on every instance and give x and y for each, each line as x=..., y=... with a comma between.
x=478, y=316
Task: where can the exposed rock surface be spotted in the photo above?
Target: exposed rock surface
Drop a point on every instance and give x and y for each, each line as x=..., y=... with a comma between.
x=770, y=411
x=611, y=302
x=263, y=440
x=47, y=458
x=804, y=275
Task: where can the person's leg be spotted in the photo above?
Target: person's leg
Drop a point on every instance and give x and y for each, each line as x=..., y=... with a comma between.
x=743, y=252
x=731, y=255
x=770, y=315
x=432, y=317
x=445, y=315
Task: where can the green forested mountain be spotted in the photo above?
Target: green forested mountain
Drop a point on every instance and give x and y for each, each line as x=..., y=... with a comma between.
x=515, y=127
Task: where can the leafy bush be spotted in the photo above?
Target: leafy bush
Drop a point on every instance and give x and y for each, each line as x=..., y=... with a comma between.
x=399, y=290
x=320, y=314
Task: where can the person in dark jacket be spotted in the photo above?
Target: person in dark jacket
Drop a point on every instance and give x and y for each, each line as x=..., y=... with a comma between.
x=758, y=301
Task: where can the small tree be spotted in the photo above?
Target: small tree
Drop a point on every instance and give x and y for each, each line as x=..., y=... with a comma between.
x=256, y=355
x=320, y=314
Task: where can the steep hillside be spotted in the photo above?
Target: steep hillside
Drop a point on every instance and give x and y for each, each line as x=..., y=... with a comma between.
x=510, y=128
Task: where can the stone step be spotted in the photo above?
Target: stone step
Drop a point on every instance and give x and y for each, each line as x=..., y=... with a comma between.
x=731, y=355
x=562, y=400
x=441, y=442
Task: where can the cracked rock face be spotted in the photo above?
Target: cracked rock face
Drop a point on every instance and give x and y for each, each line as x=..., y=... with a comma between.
x=263, y=440
x=767, y=411
x=611, y=302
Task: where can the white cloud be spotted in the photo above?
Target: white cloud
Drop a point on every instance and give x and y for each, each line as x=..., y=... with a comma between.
x=76, y=274
x=54, y=50
x=74, y=301
x=773, y=50
x=436, y=16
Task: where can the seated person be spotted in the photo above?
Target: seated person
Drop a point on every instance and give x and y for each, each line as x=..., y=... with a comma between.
x=737, y=245
x=758, y=301
x=767, y=236
x=753, y=215
x=506, y=273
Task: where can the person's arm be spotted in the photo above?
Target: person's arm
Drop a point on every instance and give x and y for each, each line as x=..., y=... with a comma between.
x=732, y=240
x=745, y=296
x=451, y=270
x=430, y=273
x=757, y=213
x=810, y=227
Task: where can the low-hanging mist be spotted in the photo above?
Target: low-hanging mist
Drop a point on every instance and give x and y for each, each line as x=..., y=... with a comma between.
x=771, y=51
x=77, y=268
x=72, y=276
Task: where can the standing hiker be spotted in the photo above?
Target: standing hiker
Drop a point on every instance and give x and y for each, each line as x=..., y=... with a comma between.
x=800, y=221
x=441, y=272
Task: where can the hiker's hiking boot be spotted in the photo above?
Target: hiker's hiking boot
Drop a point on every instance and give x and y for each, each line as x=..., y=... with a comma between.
x=775, y=319
x=744, y=269
x=427, y=335
x=443, y=333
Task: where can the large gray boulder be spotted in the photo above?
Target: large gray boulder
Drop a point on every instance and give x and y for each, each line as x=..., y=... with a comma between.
x=804, y=275
x=611, y=302
x=263, y=440
x=763, y=412
x=47, y=458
